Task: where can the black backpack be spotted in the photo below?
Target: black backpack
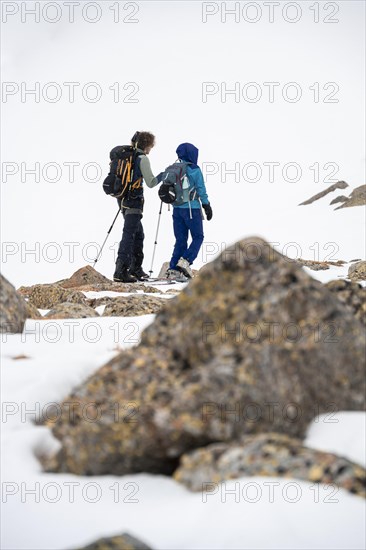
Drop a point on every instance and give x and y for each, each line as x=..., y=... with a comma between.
x=119, y=181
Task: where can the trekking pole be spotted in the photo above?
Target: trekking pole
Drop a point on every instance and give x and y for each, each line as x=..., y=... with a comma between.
x=105, y=240
x=156, y=239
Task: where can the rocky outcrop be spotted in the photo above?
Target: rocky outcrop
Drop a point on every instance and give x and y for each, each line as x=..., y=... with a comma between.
x=13, y=310
x=120, y=542
x=256, y=330
x=319, y=266
x=32, y=312
x=130, y=306
x=272, y=454
x=356, y=198
x=88, y=279
x=357, y=271
x=353, y=295
x=86, y=275
x=338, y=185
x=68, y=310
x=48, y=296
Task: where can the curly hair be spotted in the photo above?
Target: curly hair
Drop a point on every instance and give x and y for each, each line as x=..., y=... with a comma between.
x=145, y=139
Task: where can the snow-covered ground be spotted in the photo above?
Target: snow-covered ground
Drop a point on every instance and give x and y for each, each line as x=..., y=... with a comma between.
x=61, y=511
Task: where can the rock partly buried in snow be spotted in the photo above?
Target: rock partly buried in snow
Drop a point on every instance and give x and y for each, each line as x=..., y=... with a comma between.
x=356, y=198
x=121, y=542
x=88, y=279
x=164, y=268
x=269, y=454
x=338, y=185
x=130, y=306
x=68, y=310
x=86, y=275
x=252, y=328
x=49, y=295
x=357, y=271
x=319, y=266
x=351, y=294
x=13, y=310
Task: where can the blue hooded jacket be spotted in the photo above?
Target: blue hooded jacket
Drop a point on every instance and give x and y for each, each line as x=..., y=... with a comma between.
x=189, y=153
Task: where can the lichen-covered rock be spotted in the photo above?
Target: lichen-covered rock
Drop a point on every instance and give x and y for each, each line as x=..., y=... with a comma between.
x=13, y=308
x=130, y=306
x=120, y=542
x=68, y=310
x=357, y=271
x=32, y=312
x=86, y=275
x=269, y=454
x=352, y=295
x=47, y=296
x=254, y=331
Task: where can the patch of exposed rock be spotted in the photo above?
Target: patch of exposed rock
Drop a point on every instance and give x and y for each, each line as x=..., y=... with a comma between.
x=356, y=198
x=47, y=296
x=130, y=306
x=120, y=542
x=68, y=310
x=357, y=271
x=84, y=276
x=32, y=312
x=338, y=185
x=88, y=279
x=319, y=266
x=269, y=454
x=255, y=329
x=13, y=308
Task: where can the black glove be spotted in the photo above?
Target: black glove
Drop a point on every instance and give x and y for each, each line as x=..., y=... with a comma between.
x=208, y=211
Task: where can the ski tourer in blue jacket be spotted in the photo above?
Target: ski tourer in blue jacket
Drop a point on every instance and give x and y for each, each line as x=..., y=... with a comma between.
x=187, y=218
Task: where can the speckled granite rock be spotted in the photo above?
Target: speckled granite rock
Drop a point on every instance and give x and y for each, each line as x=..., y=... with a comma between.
x=13, y=308
x=256, y=328
x=120, y=542
x=47, y=296
x=129, y=306
x=269, y=454
x=352, y=295
x=68, y=310
x=357, y=271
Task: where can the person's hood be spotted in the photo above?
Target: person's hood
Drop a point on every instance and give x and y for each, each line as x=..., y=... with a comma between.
x=188, y=153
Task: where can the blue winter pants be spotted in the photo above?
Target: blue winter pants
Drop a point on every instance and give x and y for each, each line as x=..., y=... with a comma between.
x=183, y=225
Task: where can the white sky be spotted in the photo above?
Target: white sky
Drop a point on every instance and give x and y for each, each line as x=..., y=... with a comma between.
x=169, y=53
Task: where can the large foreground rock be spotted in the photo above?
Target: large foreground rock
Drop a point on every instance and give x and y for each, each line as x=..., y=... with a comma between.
x=272, y=454
x=13, y=308
x=253, y=344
